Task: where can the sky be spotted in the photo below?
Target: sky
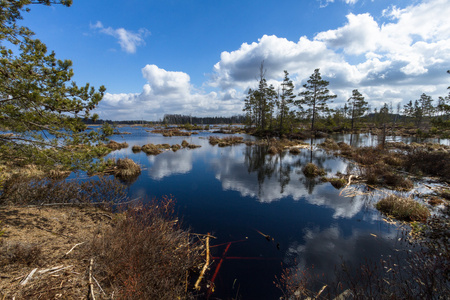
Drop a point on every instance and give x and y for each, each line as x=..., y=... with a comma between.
x=200, y=57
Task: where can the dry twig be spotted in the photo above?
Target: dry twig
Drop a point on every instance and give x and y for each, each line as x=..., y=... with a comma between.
x=205, y=267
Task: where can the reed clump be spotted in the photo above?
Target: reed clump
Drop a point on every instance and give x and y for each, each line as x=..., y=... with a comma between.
x=403, y=209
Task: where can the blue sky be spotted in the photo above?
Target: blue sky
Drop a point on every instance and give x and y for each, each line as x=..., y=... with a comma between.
x=199, y=57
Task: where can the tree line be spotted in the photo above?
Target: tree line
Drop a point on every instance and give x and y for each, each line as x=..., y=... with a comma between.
x=280, y=110
x=184, y=119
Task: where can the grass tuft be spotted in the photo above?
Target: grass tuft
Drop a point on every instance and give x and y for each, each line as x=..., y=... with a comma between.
x=113, y=145
x=311, y=170
x=403, y=209
x=127, y=169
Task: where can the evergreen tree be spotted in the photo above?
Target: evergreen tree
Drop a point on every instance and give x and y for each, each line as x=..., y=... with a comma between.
x=315, y=96
x=426, y=104
x=358, y=106
x=284, y=102
x=38, y=103
x=259, y=103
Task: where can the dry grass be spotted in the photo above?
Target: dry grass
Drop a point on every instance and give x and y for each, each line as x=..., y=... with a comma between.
x=39, y=238
x=139, y=254
x=403, y=209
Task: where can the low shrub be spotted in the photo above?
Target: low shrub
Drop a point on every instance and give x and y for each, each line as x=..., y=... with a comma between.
x=146, y=255
x=403, y=209
x=398, y=181
x=31, y=191
x=20, y=252
x=434, y=163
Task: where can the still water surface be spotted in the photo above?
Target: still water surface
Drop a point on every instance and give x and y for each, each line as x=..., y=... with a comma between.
x=234, y=192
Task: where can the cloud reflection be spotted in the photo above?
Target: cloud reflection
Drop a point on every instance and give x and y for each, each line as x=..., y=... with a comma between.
x=271, y=178
x=327, y=248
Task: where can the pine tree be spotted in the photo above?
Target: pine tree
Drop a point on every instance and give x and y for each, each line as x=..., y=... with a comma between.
x=39, y=104
x=358, y=106
x=315, y=96
x=285, y=100
x=259, y=103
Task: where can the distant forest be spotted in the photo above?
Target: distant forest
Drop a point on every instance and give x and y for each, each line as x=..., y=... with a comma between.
x=177, y=119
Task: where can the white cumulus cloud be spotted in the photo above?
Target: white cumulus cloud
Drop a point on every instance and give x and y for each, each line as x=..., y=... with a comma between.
x=168, y=92
x=394, y=57
x=127, y=39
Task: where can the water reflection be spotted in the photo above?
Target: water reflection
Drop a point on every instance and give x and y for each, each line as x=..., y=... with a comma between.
x=234, y=191
x=170, y=163
x=322, y=248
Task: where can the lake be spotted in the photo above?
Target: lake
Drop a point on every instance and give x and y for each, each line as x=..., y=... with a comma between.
x=239, y=193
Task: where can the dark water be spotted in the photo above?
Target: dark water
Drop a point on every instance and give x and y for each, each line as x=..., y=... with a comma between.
x=234, y=192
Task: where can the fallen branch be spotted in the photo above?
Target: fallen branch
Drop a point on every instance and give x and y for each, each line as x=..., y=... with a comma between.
x=25, y=281
x=348, y=184
x=73, y=248
x=98, y=284
x=205, y=267
x=50, y=269
x=60, y=269
x=91, y=282
x=83, y=203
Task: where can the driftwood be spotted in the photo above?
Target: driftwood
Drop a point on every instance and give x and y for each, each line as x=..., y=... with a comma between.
x=25, y=281
x=205, y=267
